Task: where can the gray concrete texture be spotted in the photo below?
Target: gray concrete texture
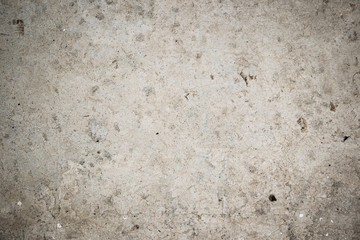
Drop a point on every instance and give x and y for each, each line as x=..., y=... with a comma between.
x=155, y=119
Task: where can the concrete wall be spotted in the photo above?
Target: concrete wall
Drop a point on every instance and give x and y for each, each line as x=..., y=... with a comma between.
x=155, y=119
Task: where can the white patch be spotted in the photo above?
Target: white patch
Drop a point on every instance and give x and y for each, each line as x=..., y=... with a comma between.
x=58, y=225
x=320, y=219
x=98, y=132
x=19, y=203
x=327, y=234
x=301, y=215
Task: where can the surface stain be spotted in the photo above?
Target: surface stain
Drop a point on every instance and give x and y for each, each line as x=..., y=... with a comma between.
x=302, y=123
x=332, y=107
x=20, y=26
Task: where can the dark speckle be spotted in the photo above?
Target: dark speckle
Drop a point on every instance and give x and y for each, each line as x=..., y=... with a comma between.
x=157, y=133
x=100, y=16
x=252, y=169
x=332, y=107
x=272, y=198
x=135, y=227
x=212, y=77
x=44, y=136
x=346, y=138
x=186, y=96
x=94, y=89
x=149, y=91
x=116, y=127
x=302, y=122
x=353, y=36
x=244, y=77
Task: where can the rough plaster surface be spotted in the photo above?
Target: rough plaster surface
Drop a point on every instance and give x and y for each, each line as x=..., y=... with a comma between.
x=155, y=119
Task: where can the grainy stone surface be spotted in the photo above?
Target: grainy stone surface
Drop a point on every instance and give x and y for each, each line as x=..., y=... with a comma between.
x=155, y=119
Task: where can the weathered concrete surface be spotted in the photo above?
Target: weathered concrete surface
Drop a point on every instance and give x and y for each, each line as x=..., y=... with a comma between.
x=164, y=119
